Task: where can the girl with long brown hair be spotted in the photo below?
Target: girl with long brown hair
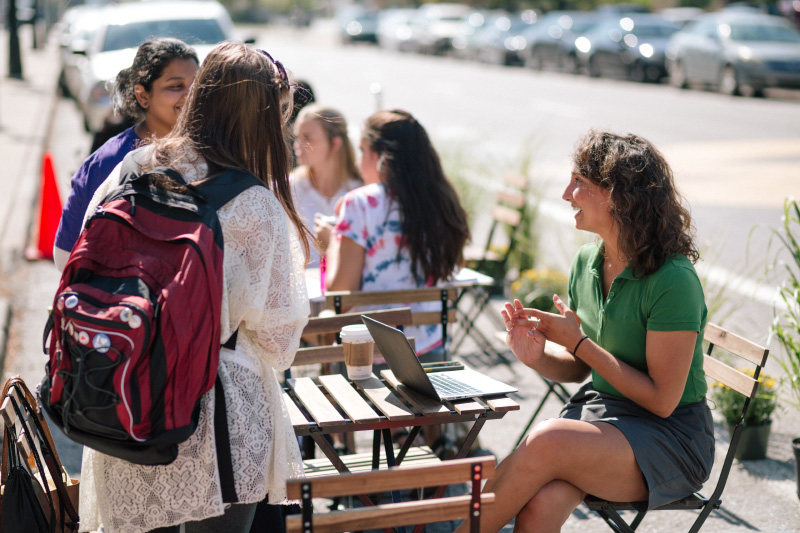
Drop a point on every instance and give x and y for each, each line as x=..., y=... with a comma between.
x=235, y=118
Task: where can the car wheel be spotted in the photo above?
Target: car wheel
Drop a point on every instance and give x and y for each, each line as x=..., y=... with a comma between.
x=534, y=61
x=637, y=72
x=677, y=76
x=594, y=68
x=728, y=83
x=62, y=85
x=570, y=64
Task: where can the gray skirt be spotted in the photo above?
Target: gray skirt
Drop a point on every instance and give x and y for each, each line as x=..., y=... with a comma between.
x=675, y=454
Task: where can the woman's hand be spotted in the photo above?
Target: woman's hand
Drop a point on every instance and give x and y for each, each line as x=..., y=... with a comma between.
x=323, y=227
x=525, y=341
x=563, y=328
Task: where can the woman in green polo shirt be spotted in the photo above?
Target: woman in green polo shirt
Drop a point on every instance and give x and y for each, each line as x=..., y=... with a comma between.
x=634, y=321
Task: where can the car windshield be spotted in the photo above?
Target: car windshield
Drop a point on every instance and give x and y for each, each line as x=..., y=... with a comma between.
x=580, y=26
x=654, y=30
x=760, y=32
x=203, y=31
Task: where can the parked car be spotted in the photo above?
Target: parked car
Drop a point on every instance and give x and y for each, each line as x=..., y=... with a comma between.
x=500, y=43
x=395, y=28
x=118, y=34
x=550, y=42
x=436, y=25
x=357, y=23
x=738, y=52
x=631, y=46
x=468, y=38
x=74, y=35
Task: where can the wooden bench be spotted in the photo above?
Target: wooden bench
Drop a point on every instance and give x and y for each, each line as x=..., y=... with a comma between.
x=469, y=506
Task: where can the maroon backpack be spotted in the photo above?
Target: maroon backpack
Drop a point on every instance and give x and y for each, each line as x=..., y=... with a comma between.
x=134, y=333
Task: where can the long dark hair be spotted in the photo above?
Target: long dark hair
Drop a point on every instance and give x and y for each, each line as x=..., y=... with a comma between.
x=434, y=225
x=653, y=224
x=151, y=59
x=235, y=116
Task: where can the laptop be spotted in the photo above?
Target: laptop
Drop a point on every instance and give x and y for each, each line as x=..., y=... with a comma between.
x=449, y=385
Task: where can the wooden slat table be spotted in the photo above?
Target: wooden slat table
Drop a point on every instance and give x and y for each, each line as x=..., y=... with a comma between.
x=332, y=404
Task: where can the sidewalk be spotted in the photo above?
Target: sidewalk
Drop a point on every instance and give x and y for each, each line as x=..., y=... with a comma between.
x=759, y=496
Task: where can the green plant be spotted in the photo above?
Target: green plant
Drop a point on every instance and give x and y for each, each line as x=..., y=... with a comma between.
x=535, y=288
x=730, y=403
x=786, y=323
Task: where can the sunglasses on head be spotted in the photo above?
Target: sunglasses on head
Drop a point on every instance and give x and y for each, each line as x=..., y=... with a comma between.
x=281, y=71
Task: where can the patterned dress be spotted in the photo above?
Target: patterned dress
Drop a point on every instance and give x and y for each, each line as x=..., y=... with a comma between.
x=371, y=218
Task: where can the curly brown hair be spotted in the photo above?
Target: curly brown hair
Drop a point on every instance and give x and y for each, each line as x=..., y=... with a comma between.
x=648, y=209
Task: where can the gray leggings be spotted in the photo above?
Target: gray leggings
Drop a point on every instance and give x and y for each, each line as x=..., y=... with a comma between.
x=237, y=519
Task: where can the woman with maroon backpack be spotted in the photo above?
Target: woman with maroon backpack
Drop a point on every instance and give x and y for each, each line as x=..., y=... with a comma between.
x=234, y=118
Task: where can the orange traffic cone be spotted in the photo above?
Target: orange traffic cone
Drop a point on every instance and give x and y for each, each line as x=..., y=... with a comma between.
x=49, y=213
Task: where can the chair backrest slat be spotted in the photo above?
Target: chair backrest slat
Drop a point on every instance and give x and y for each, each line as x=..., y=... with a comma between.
x=506, y=215
x=517, y=181
x=514, y=199
x=426, y=318
x=334, y=323
x=353, y=298
x=397, y=478
x=384, y=516
x=736, y=345
x=731, y=377
x=313, y=355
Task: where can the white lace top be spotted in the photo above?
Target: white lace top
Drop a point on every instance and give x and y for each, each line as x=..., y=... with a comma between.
x=264, y=297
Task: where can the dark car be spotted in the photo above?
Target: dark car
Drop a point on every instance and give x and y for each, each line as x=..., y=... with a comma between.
x=501, y=41
x=357, y=23
x=506, y=40
x=630, y=46
x=550, y=42
x=737, y=52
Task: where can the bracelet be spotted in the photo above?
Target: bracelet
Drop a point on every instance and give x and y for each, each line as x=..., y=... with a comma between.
x=579, y=343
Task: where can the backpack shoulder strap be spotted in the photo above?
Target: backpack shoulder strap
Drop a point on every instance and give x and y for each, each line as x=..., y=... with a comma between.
x=224, y=187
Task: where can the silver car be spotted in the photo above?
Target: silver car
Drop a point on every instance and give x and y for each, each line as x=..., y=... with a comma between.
x=123, y=27
x=738, y=52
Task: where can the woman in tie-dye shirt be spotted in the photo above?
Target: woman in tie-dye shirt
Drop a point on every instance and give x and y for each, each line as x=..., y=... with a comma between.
x=404, y=230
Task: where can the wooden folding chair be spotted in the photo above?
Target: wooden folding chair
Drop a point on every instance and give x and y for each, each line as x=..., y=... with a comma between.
x=736, y=380
x=325, y=354
x=469, y=506
x=340, y=300
x=507, y=214
x=334, y=353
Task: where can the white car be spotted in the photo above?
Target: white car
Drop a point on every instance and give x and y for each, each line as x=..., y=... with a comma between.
x=122, y=28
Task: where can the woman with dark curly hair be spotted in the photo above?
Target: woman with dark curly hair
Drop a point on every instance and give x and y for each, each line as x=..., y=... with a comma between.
x=149, y=94
x=640, y=429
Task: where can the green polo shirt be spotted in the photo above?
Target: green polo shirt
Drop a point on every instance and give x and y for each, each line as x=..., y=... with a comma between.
x=671, y=299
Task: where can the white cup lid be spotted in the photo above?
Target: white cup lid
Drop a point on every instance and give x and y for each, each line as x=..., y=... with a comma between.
x=355, y=332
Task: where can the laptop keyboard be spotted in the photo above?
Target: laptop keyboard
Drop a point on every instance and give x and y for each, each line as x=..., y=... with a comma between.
x=445, y=384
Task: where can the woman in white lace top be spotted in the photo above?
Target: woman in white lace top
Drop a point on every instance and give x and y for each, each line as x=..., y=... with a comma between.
x=234, y=117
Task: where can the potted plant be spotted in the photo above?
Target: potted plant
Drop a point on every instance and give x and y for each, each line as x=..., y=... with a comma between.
x=757, y=421
x=786, y=324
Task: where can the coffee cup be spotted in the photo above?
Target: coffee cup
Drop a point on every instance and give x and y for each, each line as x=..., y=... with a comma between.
x=358, y=347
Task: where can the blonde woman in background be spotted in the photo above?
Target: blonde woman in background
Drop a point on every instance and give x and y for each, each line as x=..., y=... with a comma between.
x=326, y=165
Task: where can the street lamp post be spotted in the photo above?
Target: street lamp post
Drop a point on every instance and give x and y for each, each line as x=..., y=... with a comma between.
x=14, y=56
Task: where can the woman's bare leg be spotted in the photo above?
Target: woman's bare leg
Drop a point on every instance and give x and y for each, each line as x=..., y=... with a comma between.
x=594, y=457
x=547, y=511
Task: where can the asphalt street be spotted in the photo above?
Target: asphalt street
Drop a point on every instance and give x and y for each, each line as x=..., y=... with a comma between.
x=760, y=495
